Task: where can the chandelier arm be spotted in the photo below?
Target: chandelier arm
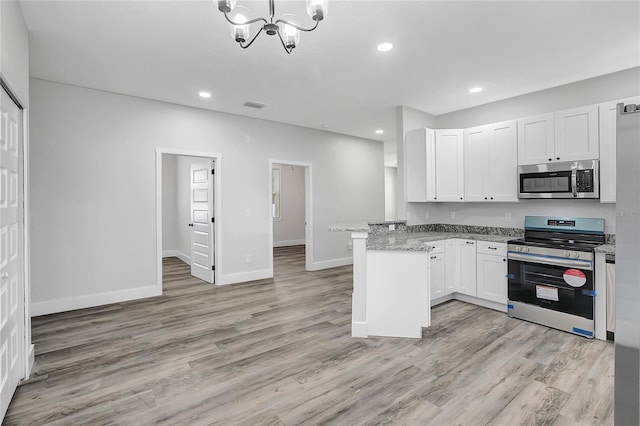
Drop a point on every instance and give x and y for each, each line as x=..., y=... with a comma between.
x=272, y=9
x=252, y=40
x=297, y=27
x=284, y=45
x=244, y=23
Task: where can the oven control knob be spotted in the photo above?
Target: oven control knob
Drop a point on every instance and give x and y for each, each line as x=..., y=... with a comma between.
x=567, y=253
x=576, y=254
x=519, y=248
x=526, y=249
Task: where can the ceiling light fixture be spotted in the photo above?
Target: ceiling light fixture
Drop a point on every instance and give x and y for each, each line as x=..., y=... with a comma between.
x=288, y=32
x=475, y=90
x=384, y=47
x=379, y=131
x=204, y=94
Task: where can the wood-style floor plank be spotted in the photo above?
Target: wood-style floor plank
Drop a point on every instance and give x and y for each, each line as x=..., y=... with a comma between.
x=279, y=352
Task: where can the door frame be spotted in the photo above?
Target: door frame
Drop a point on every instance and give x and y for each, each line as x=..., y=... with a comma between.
x=217, y=157
x=308, y=211
x=29, y=348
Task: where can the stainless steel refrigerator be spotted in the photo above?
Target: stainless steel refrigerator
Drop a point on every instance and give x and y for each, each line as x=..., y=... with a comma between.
x=627, y=338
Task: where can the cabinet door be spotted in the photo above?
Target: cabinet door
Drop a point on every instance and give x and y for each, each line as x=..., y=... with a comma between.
x=436, y=275
x=431, y=165
x=449, y=165
x=476, y=164
x=607, y=118
x=415, y=154
x=492, y=280
x=467, y=267
x=451, y=277
x=576, y=134
x=503, y=161
x=535, y=139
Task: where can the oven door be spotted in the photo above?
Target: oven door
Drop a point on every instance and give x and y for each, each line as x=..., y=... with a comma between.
x=559, y=284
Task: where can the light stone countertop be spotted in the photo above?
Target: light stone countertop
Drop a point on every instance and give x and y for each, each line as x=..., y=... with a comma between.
x=350, y=226
x=416, y=241
x=606, y=249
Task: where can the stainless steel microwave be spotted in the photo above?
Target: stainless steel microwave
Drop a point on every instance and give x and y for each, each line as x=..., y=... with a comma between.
x=570, y=179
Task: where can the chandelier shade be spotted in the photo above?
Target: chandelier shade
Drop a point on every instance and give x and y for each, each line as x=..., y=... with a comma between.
x=287, y=31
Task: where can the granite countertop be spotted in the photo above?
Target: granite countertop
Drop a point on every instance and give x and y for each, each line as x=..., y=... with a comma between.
x=606, y=249
x=415, y=241
x=350, y=226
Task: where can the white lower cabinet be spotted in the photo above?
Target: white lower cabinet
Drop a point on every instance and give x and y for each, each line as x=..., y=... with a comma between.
x=437, y=275
x=467, y=267
x=492, y=272
x=451, y=276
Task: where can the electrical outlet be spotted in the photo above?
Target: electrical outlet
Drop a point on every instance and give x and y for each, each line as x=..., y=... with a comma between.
x=247, y=258
x=247, y=212
x=392, y=227
x=507, y=217
x=452, y=215
x=350, y=245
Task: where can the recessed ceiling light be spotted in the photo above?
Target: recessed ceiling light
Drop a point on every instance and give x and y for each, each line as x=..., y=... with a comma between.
x=379, y=131
x=325, y=126
x=204, y=94
x=475, y=90
x=385, y=47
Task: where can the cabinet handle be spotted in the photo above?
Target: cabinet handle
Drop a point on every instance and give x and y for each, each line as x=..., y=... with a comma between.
x=492, y=198
x=557, y=158
x=469, y=242
x=461, y=198
x=492, y=248
x=191, y=225
x=485, y=198
x=550, y=159
x=504, y=260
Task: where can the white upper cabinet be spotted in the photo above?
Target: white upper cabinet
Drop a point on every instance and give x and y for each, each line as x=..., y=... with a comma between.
x=576, y=134
x=477, y=185
x=419, y=165
x=536, y=139
x=449, y=165
x=569, y=135
x=491, y=160
x=607, y=117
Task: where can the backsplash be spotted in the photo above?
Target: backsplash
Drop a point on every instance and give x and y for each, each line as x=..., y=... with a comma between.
x=467, y=229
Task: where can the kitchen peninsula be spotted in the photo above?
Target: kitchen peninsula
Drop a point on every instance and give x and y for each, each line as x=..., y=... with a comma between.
x=400, y=271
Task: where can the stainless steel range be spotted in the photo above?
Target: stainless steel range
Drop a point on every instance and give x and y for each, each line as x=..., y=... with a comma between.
x=551, y=272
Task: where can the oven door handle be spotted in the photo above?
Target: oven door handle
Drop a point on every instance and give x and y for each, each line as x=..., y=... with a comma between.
x=574, y=179
x=548, y=260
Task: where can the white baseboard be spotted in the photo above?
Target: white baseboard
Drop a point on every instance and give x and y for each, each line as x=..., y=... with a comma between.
x=359, y=329
x=326, y=264
x=288, y=243
x=177, y=253
x=244, y=277
x=91, y=300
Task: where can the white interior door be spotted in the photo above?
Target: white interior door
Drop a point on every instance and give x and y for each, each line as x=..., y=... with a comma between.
x=11, y=257
x=202, y=220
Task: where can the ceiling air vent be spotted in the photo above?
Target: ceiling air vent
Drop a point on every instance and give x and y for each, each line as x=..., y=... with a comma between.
x=254, y=104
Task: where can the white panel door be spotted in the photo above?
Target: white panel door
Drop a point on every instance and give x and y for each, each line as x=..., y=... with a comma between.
x=202, y=219
x=415, y=155
x=436, y=275
x=449, y=165
x=536, y=140
x=467, y=267
x=492, y=280
x=11, y=259
x=503, y=161
x=476, y=164
x=607, y=118
x=576, y=134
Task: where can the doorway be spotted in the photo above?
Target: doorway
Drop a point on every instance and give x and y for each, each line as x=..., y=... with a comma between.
x=187, y=198
x=290, y=208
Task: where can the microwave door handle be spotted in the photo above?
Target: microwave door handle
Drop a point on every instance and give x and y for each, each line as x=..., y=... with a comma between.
x=574, y=179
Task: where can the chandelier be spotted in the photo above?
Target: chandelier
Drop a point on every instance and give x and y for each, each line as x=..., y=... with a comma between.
x=288, y=32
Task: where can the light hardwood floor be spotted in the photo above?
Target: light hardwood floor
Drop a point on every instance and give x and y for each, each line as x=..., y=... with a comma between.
x=279, y=352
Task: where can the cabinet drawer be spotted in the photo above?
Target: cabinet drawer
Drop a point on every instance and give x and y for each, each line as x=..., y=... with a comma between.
x=436, y=246
x=496, y=249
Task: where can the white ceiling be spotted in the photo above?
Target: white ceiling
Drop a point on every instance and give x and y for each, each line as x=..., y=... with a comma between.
x=170, y=51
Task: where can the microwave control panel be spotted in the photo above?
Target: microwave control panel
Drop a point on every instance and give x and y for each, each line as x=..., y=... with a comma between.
x=584, y=180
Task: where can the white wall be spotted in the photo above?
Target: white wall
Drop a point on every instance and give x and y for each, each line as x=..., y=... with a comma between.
x=94, y=231
x=289, y=229
x=390, y=182
x=14, y=49
x=596, y=90
x=169, y=205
